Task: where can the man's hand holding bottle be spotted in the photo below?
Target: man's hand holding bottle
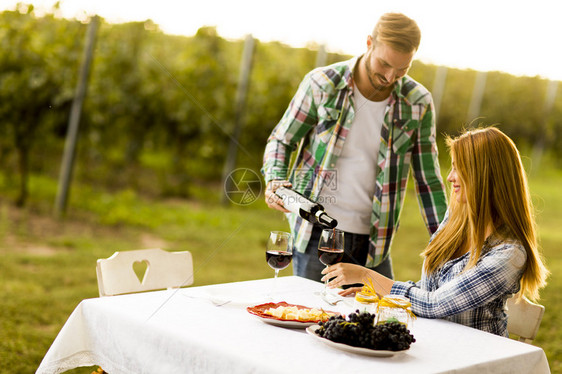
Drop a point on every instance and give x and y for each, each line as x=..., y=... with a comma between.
x=280, y=196
x=271, y=199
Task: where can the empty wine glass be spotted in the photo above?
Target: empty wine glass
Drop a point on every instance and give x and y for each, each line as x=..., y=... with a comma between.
x=330, y=250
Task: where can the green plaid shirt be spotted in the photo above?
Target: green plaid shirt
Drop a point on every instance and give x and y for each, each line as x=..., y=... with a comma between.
x=317, y=122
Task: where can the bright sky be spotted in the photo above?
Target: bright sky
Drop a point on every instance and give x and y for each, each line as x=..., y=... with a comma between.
x=518, y=37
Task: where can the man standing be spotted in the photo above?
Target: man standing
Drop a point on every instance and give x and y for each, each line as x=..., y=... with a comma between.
x=359, y=126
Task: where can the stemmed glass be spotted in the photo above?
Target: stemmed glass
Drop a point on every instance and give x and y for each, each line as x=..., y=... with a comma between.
x=279, y=251
x=330, y=250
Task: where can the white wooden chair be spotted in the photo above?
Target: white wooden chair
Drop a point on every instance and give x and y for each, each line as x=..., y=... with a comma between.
x=162, y=269
x=524, y=318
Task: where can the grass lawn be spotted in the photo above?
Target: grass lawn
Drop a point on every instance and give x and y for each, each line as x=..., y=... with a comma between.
x=47, y=265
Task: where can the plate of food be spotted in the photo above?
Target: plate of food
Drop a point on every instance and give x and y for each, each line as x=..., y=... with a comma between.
x=349, y=348
x=358, y=334
x=290, y=315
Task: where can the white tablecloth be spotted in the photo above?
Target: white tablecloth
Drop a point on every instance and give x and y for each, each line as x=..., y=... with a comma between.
x=191, y=331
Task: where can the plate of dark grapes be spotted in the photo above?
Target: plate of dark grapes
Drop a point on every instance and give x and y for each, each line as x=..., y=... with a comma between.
x=289, y=315
x=358, y=334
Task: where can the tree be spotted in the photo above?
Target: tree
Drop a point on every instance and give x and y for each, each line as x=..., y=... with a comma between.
x=32, y=87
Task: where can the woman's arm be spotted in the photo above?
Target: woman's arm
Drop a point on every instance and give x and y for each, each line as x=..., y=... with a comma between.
x=494, y=275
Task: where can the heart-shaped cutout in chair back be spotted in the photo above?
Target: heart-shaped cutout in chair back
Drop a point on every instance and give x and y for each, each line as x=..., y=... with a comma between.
x=141, y=269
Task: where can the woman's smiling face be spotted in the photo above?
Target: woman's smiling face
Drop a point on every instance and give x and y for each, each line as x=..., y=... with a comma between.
x=455, y=180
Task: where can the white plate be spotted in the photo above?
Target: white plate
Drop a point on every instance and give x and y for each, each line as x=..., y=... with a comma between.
x=288, y=324
x=258, y=311
x=348, y=348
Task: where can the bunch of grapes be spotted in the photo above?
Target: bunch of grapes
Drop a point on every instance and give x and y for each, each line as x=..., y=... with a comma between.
x=359, y=331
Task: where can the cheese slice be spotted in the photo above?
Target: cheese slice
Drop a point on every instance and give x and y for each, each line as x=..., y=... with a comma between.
x=303, y=314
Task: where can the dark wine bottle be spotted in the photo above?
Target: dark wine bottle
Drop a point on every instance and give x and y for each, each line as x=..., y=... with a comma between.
x=307, y=209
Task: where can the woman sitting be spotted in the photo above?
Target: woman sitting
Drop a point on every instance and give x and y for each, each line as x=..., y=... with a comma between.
x=485, y=249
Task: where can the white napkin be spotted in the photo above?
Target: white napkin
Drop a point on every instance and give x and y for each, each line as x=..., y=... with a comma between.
x=225, y=298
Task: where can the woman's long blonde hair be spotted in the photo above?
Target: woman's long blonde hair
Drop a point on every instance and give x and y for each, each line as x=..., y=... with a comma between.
x=495, y=186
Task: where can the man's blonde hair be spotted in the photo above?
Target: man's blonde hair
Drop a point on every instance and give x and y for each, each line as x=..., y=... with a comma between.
x=495, y=185
x=398, y=32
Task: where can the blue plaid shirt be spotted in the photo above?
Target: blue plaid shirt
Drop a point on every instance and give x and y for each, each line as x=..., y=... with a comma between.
x=475, y=297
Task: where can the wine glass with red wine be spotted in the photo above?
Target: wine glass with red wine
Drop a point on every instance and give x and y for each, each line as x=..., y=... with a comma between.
x=279, y=250
x=330, y=250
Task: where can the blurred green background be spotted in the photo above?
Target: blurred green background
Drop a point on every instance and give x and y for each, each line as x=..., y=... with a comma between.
x=156, y=124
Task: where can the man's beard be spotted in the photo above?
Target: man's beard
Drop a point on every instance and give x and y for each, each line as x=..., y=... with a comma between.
x=371, y=76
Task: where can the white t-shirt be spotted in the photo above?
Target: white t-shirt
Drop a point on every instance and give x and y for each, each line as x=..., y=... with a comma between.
x=350, y=199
